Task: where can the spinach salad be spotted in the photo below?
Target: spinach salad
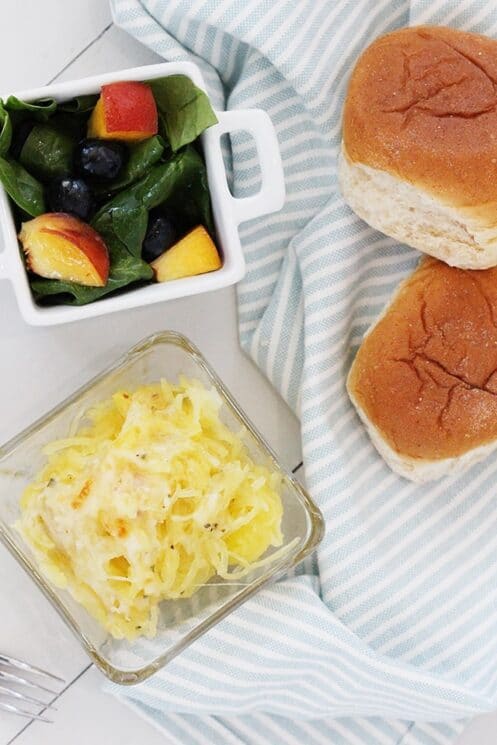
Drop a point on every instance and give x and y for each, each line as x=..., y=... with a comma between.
x=109, y=191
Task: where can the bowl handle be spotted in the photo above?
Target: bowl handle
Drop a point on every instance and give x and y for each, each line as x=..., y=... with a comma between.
x=271, y=196
x=3, y=265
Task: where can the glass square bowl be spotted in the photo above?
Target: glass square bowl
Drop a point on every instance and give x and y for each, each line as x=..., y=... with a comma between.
x=164, y=355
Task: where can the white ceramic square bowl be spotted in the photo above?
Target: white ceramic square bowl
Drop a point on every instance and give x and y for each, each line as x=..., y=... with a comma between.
x=228, y=211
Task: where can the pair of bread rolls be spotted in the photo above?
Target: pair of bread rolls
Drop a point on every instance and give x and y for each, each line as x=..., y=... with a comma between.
x=419, y=163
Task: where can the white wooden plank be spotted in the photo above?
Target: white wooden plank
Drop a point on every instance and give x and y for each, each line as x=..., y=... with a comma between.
x=31, y=630
x=114, y=50
x=100, y=719
x=37, y=39
x=481, y=731
x=41, y=366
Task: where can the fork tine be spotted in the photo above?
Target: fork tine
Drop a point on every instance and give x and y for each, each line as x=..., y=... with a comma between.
x=22, y=681
x=4, y=691
x=14, y=662
x=23, y=713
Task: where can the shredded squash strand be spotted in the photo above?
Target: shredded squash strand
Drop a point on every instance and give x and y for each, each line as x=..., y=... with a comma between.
x=149, y=498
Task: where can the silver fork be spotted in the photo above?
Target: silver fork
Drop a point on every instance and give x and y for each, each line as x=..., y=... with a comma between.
x=13, y=688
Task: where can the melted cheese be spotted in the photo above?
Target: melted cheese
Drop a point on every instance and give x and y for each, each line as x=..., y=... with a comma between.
x=147, y=501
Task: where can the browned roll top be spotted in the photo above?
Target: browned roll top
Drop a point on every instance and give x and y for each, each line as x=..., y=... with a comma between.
x=426, y=375
x=421, y=105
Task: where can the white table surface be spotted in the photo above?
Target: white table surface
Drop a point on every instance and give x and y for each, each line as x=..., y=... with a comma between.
x=42, y=41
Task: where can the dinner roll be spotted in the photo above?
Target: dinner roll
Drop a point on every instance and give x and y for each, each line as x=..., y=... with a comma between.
x=419, y=155
x=424, y=380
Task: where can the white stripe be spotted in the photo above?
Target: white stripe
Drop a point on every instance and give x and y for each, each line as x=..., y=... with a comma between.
x=304, y=156
x=228, y=737
x=380, y=736
x=276, y=238
x=266, y=18
x=217, y=47
x=260, y=77
x=487, y=624
x=240, y=727
x=347, y=733
x=280, y=312
x=232, y=59
x=291, y=351
x=262, y=283
x=317, y=294
x=297, y=215
x=257, y=264
x=195, y=737
x=298, y=181
x=290, y=50
x=429, y=730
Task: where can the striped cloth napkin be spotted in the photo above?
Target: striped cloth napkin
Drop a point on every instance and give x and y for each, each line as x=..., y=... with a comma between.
x=389, y=634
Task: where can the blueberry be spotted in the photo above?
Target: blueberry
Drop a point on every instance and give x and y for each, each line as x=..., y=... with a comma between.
x=162, y=233
x=100, y=160
x=71, y=195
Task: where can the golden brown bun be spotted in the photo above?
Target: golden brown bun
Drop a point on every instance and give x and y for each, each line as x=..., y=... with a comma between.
x=422, y=105
x=421, y=108
x=425, y=378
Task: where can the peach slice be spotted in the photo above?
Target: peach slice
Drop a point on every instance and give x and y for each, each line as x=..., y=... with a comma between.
x=60, y=246
x=124, y=111
x=194, y=254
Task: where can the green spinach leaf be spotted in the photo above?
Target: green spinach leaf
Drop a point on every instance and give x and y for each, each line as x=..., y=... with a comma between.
x=125, y=271
x=184, y=110
x=192, y=203
x=126, y=214
x=5, y=130
x=47, y=152
x=22, y=188
x=122, y=223
x=141, y=158
x=40, y=111
x=79, y=105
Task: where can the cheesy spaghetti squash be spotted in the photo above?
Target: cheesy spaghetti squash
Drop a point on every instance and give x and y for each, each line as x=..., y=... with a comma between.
x=149, y=499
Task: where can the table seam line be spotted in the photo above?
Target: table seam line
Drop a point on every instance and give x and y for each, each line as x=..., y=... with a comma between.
x=81, y=52
x=66, y=688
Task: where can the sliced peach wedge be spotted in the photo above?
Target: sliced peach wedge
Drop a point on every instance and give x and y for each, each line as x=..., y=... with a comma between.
x=125, y=111
x=60, y=246
x=195, y=253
